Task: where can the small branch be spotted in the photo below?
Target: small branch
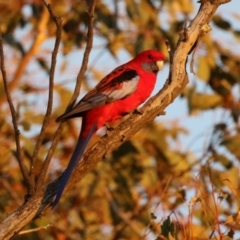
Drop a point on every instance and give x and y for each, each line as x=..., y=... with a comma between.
x=192, y=59
x=76, y=92
x=204, y=30
x=14, y=120
x=50, y=154
x=34, y=229
x=58, y=22
x=88, y=49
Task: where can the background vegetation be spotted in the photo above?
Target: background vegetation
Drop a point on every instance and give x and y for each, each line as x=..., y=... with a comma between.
x=156, y=185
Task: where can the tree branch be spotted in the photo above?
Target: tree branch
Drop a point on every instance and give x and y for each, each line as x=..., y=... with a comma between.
x=154, y=107
x=42, y=174
x=88, y=49
x=76, y=92
x=34, y=229
x=14, y=120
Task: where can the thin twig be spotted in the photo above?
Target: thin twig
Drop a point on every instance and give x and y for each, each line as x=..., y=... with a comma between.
x=34, y=229
x=14, y=120
x=58, y=22
x=50, y=154
x=75, y=94
x=88, y=48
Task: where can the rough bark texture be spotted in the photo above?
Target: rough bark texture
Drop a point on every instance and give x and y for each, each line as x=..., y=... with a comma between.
x=178, y=79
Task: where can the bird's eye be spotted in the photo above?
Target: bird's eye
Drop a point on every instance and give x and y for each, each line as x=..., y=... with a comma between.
x=150, y=56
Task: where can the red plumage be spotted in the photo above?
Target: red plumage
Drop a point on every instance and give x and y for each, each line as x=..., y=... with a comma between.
x=121, y=91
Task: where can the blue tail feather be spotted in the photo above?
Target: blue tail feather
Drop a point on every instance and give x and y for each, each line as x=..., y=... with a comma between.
x=76, y=157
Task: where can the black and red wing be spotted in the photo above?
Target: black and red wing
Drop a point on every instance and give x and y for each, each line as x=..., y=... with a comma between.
x=117, y=85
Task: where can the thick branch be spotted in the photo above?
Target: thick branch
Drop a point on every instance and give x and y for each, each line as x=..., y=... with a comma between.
x=125, y=130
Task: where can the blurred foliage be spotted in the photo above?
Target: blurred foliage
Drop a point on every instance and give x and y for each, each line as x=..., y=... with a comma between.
x=151, y=187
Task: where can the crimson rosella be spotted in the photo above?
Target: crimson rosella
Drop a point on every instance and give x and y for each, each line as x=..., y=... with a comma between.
x=118, y=93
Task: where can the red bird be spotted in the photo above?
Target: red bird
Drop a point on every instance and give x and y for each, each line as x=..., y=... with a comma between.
x=121, y=91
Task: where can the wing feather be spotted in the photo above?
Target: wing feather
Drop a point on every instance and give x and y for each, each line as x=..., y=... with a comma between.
x=117, y=85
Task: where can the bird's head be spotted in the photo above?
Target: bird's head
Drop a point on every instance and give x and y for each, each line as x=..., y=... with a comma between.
x=150, y=60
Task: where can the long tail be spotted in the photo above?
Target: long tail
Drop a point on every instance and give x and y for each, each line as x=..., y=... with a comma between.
x=76, y=157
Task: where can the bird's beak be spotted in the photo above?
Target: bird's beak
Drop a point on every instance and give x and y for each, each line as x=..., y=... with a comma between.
x=159, y=65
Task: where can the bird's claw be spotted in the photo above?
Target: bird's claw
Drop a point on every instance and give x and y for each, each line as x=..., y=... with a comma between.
x=109, y=128
x=138, y=111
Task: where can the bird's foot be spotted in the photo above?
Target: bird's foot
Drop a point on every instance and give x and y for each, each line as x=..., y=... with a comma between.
x=109, y=128
x=138, y=111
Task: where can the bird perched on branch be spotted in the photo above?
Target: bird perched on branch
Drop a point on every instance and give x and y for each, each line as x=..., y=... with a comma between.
x=118, y=93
